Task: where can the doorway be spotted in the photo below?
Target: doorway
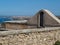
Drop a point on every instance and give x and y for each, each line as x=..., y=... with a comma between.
x=41, y=19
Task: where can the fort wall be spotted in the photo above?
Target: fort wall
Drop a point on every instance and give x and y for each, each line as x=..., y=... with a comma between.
x=43, y=36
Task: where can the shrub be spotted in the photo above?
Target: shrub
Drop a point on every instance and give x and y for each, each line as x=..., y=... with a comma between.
x=57, y=43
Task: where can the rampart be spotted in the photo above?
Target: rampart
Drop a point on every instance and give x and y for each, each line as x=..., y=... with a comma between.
x=42, y=36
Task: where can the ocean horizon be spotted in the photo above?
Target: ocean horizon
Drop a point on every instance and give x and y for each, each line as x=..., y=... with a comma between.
x=2, y=19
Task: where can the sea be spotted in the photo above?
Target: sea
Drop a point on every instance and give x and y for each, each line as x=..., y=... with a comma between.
x=3, y=19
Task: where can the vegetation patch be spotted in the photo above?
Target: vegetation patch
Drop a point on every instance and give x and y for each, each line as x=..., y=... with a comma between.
x=57, y=43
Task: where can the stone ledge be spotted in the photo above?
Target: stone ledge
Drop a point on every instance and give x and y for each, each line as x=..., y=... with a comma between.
x=12, y=32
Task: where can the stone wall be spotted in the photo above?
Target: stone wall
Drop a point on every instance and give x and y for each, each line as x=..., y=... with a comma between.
x=49, y=19
x=32, y=38
x=14, y=26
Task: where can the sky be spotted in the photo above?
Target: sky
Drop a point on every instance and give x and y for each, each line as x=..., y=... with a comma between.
x=28, y=7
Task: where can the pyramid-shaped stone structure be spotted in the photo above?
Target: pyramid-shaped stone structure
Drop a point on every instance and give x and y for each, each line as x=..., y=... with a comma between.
x=44, y=18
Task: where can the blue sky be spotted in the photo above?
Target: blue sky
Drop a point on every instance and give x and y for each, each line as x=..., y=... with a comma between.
x=28, y=7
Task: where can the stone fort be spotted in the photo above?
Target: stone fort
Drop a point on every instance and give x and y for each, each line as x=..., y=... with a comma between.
x=42, y=29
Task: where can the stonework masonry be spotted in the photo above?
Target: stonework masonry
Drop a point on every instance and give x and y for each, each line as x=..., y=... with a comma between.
x=32, y=38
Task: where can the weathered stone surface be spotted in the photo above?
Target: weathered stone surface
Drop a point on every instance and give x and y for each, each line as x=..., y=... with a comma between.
x=34, y=38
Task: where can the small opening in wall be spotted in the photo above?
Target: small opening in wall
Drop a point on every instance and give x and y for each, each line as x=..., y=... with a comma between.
x=41, y=19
